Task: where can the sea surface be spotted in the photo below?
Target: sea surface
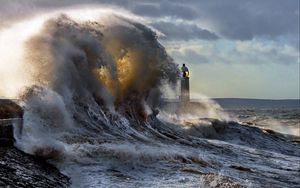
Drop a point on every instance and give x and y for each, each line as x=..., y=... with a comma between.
x=193, y=152
x=284, y=120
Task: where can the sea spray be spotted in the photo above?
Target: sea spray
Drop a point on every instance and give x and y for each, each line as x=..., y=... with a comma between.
x=91, y=81
x=88, y=75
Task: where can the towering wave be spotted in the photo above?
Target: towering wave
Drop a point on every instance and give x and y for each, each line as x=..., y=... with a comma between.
x=83, y=72
x=115, y=61
x=95, y=82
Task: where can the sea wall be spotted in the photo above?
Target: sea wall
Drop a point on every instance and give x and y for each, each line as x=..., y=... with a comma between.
x=6, y=133
x=10, y=114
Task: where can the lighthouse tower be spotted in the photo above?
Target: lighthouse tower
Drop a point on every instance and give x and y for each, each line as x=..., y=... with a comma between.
x=185, y=85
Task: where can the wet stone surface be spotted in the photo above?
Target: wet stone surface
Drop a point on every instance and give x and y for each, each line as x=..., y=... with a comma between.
x=18, y=169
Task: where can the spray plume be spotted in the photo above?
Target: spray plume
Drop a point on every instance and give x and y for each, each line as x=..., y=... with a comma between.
x=115, y=60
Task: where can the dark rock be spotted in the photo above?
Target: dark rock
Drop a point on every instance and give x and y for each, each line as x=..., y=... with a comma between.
x=18, y=169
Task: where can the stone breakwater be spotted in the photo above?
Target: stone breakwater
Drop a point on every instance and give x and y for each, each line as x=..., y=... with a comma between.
x=10, y=113
x=6, y=132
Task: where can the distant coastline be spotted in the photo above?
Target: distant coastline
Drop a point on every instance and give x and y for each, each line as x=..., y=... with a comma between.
x=241, y=102
x=257, y=103
x=250, y=103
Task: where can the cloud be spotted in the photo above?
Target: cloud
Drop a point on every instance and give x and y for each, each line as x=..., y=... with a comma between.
x=245, y=20
x=165, y=8
x=190, y=56
x=11, y=11
x=231, y=19
x=236, y=52
x=183, y=31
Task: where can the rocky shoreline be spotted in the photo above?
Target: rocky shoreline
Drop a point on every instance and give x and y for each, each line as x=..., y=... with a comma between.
x=18, y=169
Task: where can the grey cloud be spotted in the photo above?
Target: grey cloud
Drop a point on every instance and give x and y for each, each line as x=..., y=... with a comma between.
x=166, y=9
x=245, y=20
x=232, y=19
x=190, y=56
x=10, y=11
x=18, y=8
x=183, y=31
x=248, y=52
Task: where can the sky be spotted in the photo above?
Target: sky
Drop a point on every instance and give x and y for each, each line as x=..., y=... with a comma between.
x=233, y=48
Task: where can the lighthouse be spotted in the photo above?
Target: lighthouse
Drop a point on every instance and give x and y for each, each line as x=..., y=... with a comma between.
x=185, y=85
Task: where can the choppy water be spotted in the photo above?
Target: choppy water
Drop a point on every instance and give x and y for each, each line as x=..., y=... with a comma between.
x=193, y=153
x=284, y=120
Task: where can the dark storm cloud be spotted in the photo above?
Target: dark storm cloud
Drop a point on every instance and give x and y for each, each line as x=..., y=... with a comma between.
x=183, y=31
x=244, y=20
x=232, y=19
x=269, y=18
